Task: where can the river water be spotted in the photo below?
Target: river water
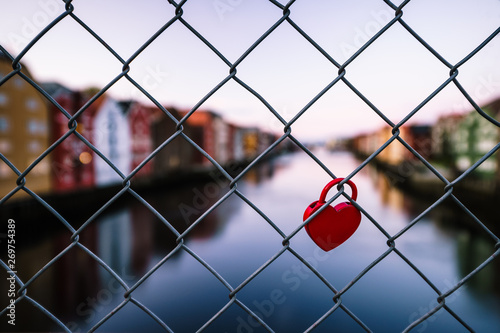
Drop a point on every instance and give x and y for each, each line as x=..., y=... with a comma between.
x=235, y=241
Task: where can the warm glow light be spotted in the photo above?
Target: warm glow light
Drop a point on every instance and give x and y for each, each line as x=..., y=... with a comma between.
x=85, y=158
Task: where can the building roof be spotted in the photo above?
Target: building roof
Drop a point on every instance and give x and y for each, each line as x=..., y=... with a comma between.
x=199, y=117
x=421, y=128
x=54, y=88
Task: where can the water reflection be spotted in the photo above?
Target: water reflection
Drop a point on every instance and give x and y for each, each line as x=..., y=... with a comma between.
x=472, y=244
x=114, y=240
x=235, y=241
x=390, y=196
x=471, y=252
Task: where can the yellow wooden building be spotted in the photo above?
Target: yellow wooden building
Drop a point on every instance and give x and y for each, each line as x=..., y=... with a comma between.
x=24, y=132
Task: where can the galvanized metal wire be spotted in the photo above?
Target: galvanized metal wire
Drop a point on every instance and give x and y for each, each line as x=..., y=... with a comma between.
x=287, y=238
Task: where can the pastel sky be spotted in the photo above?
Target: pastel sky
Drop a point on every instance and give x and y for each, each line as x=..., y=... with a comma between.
x=396, y=73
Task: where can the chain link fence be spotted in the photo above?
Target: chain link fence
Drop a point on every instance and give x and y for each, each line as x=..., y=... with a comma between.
x=22, y=184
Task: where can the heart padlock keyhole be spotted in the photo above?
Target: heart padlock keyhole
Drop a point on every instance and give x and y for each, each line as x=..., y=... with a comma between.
x=333, y=225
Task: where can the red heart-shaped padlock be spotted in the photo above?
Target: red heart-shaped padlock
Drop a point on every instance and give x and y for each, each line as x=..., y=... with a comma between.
x=333, y=225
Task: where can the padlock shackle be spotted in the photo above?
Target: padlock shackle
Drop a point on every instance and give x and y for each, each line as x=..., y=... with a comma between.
x=328, y=186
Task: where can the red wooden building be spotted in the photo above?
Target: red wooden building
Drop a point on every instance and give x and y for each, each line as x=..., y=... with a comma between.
x=72, y=166
x=140, y=119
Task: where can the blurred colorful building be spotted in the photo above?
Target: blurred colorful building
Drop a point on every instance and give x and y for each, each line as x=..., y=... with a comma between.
x=202, y=128
x=454, y=143
x=24, y=131
x=475, y=137
x=140, y=119
x=175, y=153
x=72, y=160
x=91, y=137
x=111, y=136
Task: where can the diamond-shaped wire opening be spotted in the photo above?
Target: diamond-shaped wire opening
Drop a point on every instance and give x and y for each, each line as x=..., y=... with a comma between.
x=190, y=67
x=99, y=68
x=125, y=23
x=443, y=39
x=386, y=57
x=201, y=288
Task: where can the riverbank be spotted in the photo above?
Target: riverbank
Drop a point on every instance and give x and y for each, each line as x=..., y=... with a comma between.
x=77, y=206
x=422, y=185
x=423, y=181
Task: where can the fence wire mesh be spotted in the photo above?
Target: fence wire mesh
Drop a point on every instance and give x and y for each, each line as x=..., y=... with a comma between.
x=22, y=184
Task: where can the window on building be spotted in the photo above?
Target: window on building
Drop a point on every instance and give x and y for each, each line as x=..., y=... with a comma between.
x=4, y=124
x=18, y=82
x=42, y=127
x=5, y=171
x=32, y=126
x=34, y=146
x=5, y=146
x=3, y=99
x=36, y=126
x=41, y=169
x=31, y=104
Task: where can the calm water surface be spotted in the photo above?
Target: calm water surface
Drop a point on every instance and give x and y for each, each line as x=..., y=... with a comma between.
x=235, y=241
